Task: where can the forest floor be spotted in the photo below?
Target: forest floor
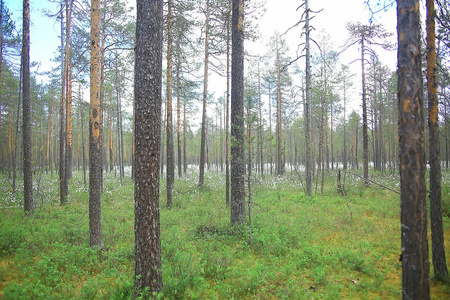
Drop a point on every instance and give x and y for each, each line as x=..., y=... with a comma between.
x=324, y=246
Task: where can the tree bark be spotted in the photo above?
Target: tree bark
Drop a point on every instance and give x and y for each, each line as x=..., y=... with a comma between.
x=68, y=98
x=237, y=114
x=227, y=128
x=184, y=137
x=82, y=136
x=119, y=124
x=170, y=155
x=95, y=150
x=148, y=81
x=205, y=100
x=111, y=137
x=415, y=264
x=249, y=169
x=260, y=125
x=364, y=115
x=62, y=119
x=280, y=167
x=437, y=231
x=307, y=111
x=1, y=76
x=180, y=170
x=26, y=134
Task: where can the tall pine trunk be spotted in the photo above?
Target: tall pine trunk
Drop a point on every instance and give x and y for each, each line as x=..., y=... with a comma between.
x=68, y=98
x=227, y=124
x=437, y=230
x=307, y=109
x=415, y=264
x=180, y=170
x=237, y=114
x=62, y=119
x=95, y=150
x=364, y=115
x=26, y=134
x=170, y=155
x=280, y=166
x=147, y=91
x=205, y=100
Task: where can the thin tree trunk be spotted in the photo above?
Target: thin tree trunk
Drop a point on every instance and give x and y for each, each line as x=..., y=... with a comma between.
x=163, y=136
x=111, y=137
x=280, y=168
x=365, y=129
x=82, y=135
x=260, y=125
x=10, y=137
x=50, y=139
x=344, y=158
x=170, y=155
x=205, y=100
x=180, y=170
x=249, y=173
x=95, y=149
x=119, y=124
x=270, y=133
x=437, y=230
x=237, y=115
x=307, y=110
x=68, y=98
x=15, y=147
x=62, y=119
x=1, y=77
x=227, y=126
x=184, y=137
x=26, y=134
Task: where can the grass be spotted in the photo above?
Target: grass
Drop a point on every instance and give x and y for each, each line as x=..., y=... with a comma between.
x=324, y=246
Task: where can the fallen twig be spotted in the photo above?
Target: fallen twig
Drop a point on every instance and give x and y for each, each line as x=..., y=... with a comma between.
x=379, y=184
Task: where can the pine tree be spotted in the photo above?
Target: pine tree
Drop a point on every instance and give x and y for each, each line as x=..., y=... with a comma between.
x=147, y=93
x=26, y=134
x=415, y=264
x=237, y=115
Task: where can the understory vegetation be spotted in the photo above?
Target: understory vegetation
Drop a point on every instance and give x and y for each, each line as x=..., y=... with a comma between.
x=327, y=245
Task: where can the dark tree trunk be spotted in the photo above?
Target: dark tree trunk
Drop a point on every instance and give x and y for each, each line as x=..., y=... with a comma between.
x=364, y=117
x=148, y=80
x=180, y=170
x=260, y=125
x=1, y=76
x=68, y=97
x=26, y=134
x=62, y=126
x=170, y=155
x=119, y=124
x=344, y=157
x=280, y=165
x=205, y=100
x=95, y=149
x=307, y=113
x=184, y=138
x=82, y=138
x=111, y=140
x=227, y=123
x=437, y=231
x=237, y=114
x=249, y=169
x=16, y=133
x=415, y=264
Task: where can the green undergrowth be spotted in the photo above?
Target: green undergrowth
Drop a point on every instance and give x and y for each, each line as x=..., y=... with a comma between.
x=326, y=246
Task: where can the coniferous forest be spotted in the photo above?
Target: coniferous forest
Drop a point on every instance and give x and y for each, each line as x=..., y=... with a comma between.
x=177, y=150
